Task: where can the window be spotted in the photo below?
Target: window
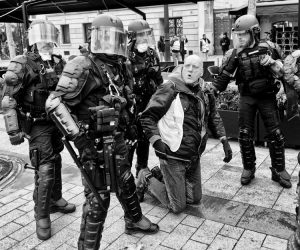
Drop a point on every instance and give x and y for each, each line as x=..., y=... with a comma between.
x=175, y=26
x=65, y=33
x=285, y=35
x=87, y=31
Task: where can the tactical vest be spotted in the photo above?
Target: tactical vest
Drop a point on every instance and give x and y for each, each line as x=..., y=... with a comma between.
x=42, y=78
x=143, y=87
x=97, y=86
x=252, y=77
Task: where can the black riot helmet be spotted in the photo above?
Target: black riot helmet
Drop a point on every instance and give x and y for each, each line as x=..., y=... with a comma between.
x=143, y=35
x=42, y=31
x=246, y=23
x=108, y=35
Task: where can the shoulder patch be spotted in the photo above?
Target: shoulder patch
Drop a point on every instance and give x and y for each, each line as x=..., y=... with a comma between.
x=77, y=66
x=74, y=77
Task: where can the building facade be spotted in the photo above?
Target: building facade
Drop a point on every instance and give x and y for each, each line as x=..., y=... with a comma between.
x=189, y=19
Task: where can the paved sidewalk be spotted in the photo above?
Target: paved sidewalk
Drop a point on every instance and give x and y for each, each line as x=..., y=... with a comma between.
x=230, y=216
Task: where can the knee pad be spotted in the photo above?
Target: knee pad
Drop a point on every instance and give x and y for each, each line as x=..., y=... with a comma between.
x=127, y=182
x=46, y=173
x=276, y=137
x=245, y=134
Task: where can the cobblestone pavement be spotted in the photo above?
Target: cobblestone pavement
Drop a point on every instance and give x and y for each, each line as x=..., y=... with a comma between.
x=230, y=216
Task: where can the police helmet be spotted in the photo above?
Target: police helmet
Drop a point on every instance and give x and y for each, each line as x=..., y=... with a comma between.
x=108, y=35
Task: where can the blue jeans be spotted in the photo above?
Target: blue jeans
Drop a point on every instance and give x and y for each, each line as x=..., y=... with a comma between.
x=182, y=184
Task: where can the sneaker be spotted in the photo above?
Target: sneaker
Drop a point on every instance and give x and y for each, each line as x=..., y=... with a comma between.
x=142, y=183
x=156, y=173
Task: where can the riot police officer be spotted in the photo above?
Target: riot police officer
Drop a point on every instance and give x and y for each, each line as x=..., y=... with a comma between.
x=100, y=82
x=255, y=66
x=144, y=65
x=28, y=82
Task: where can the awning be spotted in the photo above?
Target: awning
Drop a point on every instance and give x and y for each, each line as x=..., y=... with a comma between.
x=268, y=8
x=241, y=10
x=277, y=7
x=58, y=6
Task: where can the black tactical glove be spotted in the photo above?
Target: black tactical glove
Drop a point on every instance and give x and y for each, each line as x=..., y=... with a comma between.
x=16, y=138
x=227, y=151
x=231, y=63
x=160, y=149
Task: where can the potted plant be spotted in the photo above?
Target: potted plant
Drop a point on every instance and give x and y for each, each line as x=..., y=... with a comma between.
x=227, y=104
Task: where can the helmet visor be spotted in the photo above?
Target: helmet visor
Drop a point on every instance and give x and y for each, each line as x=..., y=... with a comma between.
x=108, y=40
x=145, y=36
x=43, y=32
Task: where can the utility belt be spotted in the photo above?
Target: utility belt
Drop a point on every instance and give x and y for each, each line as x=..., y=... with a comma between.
x=258, y=87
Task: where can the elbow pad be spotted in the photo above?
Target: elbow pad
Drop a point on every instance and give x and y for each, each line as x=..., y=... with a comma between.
x=61, y=117
x=11, y=122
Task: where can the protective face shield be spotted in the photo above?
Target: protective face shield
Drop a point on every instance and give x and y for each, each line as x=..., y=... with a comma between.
x=108, y=40
x=43, y=31
x=45, y=50
x=144, y=39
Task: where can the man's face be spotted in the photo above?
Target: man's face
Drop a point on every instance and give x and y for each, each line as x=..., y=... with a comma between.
x=244, y=39
x=192, y=69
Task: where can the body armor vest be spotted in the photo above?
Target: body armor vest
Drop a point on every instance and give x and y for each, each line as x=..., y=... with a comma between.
x=101, y=75
x=144, y=86
x=42, y=79
x=252, y=77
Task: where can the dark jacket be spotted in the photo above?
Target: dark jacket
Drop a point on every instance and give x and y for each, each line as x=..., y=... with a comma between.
x=161, y=46
x=224, y=43
x=199, y=114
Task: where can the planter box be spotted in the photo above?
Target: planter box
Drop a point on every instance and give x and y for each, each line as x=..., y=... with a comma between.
x=231, y=122
x=289, y=129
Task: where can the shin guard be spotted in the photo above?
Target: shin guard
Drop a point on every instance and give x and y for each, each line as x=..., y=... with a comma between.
x=93, y=218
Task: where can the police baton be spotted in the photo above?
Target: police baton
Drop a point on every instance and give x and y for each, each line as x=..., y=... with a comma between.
x=83, y=172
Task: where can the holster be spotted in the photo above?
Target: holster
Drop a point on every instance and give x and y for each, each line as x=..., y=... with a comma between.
x=26, y=123
x=35, y=158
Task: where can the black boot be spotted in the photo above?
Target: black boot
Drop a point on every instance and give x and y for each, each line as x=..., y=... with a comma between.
x=276, y=148
x=58, y=203
x=93, y=218
x=144, y=225
x=62, y=206
x=247, y=176
x=283, y=178
x=134, y=219
x=42, y=196
x=248, y=156
x=43, y=228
